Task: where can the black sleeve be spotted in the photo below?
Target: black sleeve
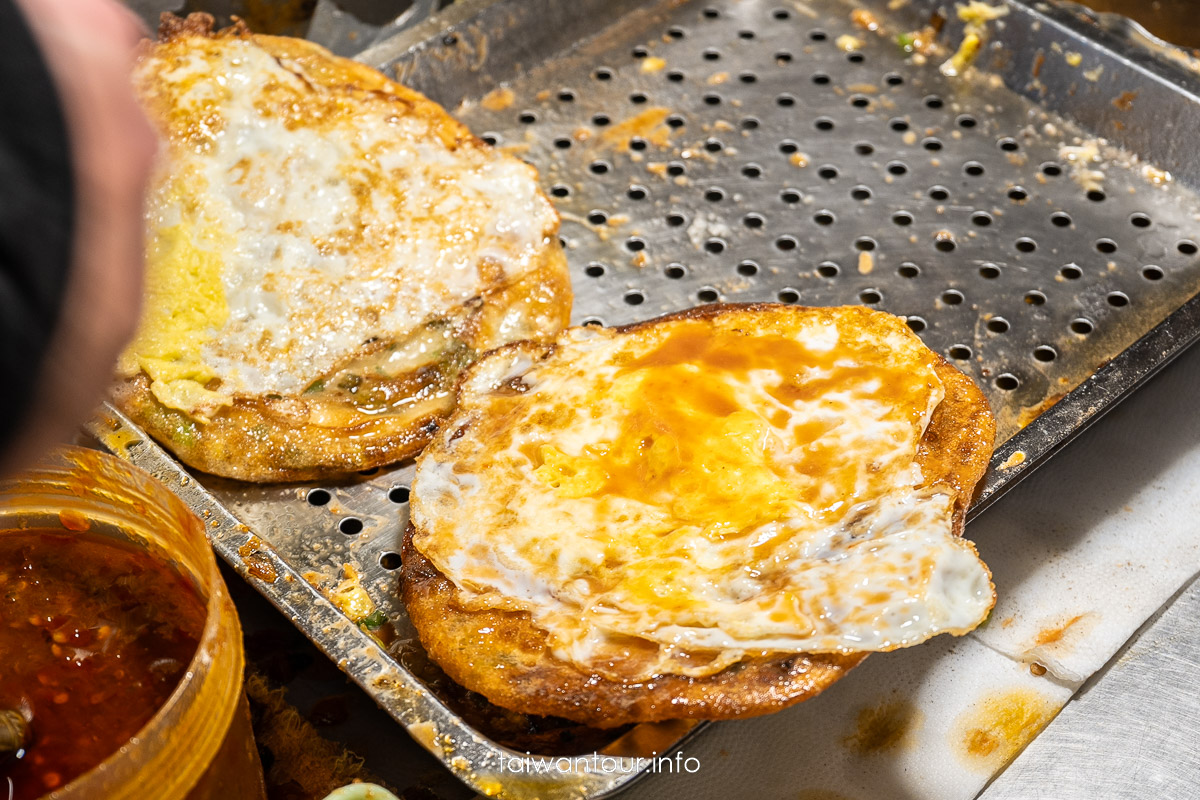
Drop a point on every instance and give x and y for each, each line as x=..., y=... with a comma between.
x=36, y=214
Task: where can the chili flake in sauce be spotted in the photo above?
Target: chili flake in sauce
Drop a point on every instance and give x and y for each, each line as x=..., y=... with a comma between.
x=94, y=636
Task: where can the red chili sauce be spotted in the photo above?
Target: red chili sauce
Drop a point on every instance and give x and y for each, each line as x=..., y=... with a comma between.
x=94, y=637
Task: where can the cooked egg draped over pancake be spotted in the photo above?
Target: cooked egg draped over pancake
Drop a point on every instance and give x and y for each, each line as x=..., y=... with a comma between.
x=675, y=500
x=296, y=224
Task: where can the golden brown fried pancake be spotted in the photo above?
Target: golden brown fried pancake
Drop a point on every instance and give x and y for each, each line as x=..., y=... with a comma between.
x=327, y=250
x=495, y=647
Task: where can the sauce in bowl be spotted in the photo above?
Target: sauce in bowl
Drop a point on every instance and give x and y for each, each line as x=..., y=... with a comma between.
x=94, y=637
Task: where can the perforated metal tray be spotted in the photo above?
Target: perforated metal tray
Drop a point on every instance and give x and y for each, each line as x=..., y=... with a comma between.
x=705, y=151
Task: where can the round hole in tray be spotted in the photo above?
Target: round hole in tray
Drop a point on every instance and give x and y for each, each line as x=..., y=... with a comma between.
x=818, y=35
x=398, y=494
x=893, y=79
x=1082, y=326
x=788, y=296
x=715, y=246
x=708, y=295
x=1071, y=272
x=865, y=243
x=714, y=194
x=747, y=268
x=563, y=143
x=637, y=98
x=566, y=96
x=389, y=561
x=1139, y=220
x=637, y=192
x=597, y=217
x=959, y=352
x=787, y=147
x=790, y=196
x=635, y=244
x=981, y=218
x=1035, y=298
x=675, y=76
x=712, y=99
x=897, y=168
x=1117, y=299
x=1106, y=246
x=676, y=168
x=1008, y=144
x=786, y=243
x=675, y=219
x=1017, y=194
x=823, y=124
x=870, y=296
x=908, y=270
x=824, y=217
x=1045, y=353
x=747, y=77
x=989, y=271
x=712, y=55
x=861, y=192
x=939, y=193
x=749, y=123
x=1061, y=219
x=1007, y=382
x=860, y=101
x=966, y=121
x=821, y=79
x=998, y=325
x=592, y=322
x=898, y=125
x=973, y=168
x=752, y=171
x=902, y=218
x=787, y=101
x=599, y=167
x=1052, y=170
x=855, y=58
x=594, y=270
x=1187, y=247
x=318, y=497
x=783, y=57
x=351, y=526
x=1152, y=272
x=1096, y=196
x=559, y=190
x=828, y=172
x=754, y=220
x=634, y=298
x=952, y=297
x=828, y=269
x=933, y=144
x=933, y=101
x=1026, y=245
x=675, y=271
x=603, y=74
x=527, y=117
x=916, y=324
x=864, y=148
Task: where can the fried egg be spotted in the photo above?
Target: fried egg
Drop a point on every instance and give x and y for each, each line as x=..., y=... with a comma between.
x=326, y=250
x=673, y=498
x=294, y=226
